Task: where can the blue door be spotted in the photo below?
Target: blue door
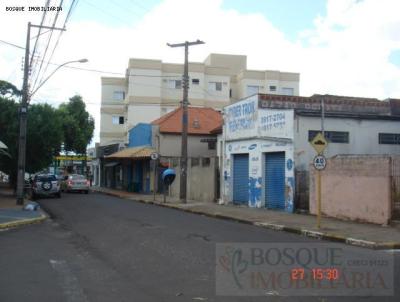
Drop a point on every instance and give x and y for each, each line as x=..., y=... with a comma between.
x=275, y=180
x=241, y=178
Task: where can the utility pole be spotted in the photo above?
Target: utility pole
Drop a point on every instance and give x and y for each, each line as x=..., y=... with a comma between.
x=183, y=174
x=23, y=114
x=323, y=116
x=319, y=181
x=22, y=124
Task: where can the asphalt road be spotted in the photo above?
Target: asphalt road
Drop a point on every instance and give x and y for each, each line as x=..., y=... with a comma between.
x=102, y=248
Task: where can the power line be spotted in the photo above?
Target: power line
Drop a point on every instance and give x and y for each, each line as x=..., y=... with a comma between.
x=45, y=51
x=38, y=36
x=12, y=44
x=74, y=3
x=124, y=8
x=107, y=13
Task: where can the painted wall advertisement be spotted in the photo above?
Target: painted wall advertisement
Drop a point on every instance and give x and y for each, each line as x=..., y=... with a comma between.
x=241, y=119
x=256, y=150
x=256, y=131
x=245, y=120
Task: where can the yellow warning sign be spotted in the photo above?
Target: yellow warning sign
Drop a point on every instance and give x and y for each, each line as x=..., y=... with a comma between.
x=319, y=143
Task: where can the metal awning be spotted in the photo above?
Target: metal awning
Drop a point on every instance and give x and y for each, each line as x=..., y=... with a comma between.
x=133, y=153
x=113, y=164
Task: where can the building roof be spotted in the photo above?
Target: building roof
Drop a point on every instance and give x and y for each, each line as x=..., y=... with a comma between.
x=135, y=152
x=200, y=121
x=338, y=106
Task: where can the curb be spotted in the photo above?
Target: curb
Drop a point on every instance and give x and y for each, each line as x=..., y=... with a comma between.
x=276, y=227
x=17, y=223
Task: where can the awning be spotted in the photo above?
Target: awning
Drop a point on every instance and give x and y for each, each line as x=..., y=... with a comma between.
x=113, y=164
x=133, y=153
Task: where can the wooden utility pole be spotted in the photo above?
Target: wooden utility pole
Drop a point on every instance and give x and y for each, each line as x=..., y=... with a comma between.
x=23, y=114
x=183, y=172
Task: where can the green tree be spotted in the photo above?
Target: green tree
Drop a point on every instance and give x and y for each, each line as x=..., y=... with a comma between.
x=9, y=135
x=44, y=134
x=8, y=90
x=77, y=124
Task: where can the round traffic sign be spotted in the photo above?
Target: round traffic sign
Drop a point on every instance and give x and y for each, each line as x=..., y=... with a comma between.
x=154, y=155
x=319, y=162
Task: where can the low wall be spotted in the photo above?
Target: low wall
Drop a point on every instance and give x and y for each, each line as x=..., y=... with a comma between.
x=354, y=188
x=201, y=178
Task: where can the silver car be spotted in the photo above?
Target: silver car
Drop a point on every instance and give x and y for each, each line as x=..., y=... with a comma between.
x=45, y=185
x=77, y=183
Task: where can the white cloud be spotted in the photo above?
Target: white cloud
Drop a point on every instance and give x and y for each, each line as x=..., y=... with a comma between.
x=346, y=53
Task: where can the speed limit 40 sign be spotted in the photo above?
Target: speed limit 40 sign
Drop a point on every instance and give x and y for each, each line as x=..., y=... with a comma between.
x=319, y=162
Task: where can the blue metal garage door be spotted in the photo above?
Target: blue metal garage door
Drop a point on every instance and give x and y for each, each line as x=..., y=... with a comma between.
x=275, y=180
x=241, y=178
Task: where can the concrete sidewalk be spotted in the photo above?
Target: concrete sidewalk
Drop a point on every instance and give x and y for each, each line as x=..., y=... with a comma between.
x=359, y=234
x=12, y=215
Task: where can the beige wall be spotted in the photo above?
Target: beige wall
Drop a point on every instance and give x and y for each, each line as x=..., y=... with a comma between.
x=170, y=145
x=355, y=188
x=147, y=91
x=201, y=182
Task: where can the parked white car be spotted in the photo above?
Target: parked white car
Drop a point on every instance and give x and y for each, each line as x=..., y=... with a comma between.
x=45, y=185
x=76, y=183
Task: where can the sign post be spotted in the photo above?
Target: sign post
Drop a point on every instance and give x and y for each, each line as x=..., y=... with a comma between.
x=319, y=143
x=154, y=158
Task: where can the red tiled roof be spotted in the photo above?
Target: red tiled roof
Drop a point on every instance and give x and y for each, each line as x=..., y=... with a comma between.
x=200, y=121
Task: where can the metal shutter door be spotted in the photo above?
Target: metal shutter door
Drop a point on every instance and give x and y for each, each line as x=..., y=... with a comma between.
x=275, y=180
x=241, y=178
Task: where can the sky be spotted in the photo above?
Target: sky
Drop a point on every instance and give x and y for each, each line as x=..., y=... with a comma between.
x=341, y=47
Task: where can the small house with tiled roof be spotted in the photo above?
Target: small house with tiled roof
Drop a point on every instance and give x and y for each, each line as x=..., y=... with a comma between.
x=201, y=141
x=163, y=137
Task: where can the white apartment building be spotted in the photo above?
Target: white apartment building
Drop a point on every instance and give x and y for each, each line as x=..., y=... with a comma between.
x=152, y=88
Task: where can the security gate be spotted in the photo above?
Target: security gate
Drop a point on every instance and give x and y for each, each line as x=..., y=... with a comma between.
x=241, y=178
x=275, y=180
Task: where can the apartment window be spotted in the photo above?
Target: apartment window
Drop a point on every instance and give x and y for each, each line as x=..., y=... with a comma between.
x=252, y=89
x=118, y=120
x=272, y=88
x=215, y=86
x=119, y=95
x=195, y=81
x=175, y=84
x=287, y=91
x=389, y=138
x=331, y=136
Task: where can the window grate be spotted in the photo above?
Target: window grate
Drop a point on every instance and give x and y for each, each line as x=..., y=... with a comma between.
x=332, y=136
x=389, y=138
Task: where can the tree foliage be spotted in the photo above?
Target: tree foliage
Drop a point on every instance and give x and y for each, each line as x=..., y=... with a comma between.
x=77, y=124
x=9, y=135
x=8, y=90
x=47, y=129
x=44, y=137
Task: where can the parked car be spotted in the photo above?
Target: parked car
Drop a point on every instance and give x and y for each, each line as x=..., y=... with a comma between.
x=76, y=183
x=45, y=185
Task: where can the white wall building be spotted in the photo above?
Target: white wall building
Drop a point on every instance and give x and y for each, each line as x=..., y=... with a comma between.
x=265, y=145
x=152, y=88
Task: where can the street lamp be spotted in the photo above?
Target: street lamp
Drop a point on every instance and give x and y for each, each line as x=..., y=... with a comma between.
x=23, y=120
x=54, y=71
